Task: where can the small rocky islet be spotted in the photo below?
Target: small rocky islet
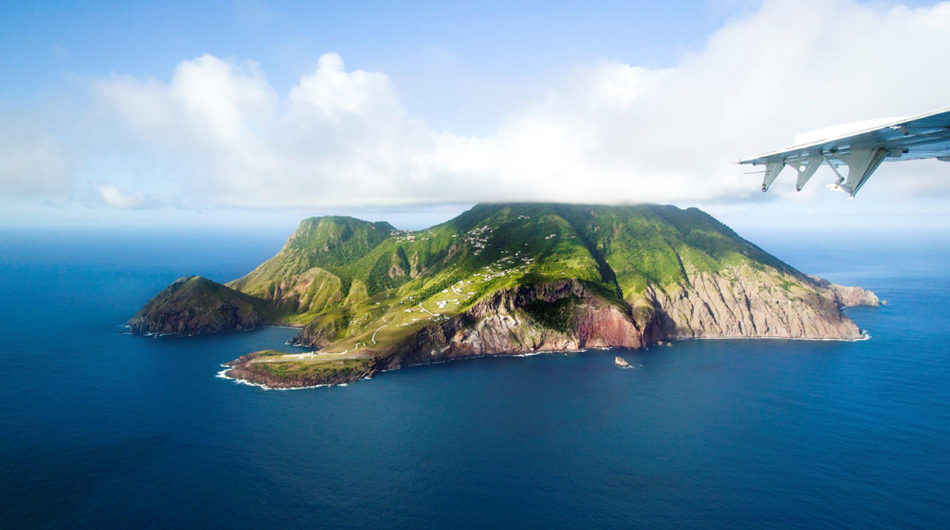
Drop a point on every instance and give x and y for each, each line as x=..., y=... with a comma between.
x=501, y=279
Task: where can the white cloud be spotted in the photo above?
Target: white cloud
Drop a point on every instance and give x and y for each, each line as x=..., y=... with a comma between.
x=32, y=163
x=612, y=133
x=113, y=197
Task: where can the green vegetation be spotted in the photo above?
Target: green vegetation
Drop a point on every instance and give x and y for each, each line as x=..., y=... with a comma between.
x=349, y=280
x=355, y=276
x=557, y=315
x=198, y=305
x=359, y=288
x=313, y=369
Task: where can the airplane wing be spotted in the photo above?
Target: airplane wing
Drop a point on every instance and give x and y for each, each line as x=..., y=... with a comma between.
x=862, y=147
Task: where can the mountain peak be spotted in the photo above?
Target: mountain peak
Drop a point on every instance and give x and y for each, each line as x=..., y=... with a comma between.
x=526, y=277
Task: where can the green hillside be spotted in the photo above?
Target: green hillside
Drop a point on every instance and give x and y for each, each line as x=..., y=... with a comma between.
x=356, y=270
x=557, y=272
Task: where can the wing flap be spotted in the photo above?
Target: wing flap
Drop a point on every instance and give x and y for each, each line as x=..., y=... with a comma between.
x=912, y=138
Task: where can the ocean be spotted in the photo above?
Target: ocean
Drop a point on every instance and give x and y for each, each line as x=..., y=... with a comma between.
x=103, y=429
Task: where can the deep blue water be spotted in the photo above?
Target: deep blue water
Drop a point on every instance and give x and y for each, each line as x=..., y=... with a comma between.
x=100, y=429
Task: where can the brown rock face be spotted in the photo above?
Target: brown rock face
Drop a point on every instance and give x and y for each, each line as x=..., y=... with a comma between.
x=743, y=303
x=605, y=326
x=505, y=324
x=567, y=316
x=751, y=303
x=851, y=296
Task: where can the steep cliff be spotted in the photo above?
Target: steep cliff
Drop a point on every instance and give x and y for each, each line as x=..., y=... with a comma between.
x=509, y=279
x=749, y=302
x=562, y=316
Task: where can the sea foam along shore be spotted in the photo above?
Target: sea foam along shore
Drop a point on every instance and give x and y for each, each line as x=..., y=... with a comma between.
x=864, y=335
x=223, y=373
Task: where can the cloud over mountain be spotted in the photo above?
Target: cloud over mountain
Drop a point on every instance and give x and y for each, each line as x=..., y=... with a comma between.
x=610, y=132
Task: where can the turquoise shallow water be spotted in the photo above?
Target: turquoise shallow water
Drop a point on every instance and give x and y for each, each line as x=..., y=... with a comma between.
x=99, y=429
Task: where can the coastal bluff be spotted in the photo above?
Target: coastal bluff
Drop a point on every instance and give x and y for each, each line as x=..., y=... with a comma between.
x=502, y=279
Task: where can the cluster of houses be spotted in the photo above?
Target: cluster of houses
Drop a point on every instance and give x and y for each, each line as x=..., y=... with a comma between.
x=505, y=265
x=478, y=238
x=406, y=235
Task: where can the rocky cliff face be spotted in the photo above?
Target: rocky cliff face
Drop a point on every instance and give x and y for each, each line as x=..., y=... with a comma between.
x=754, y=303
x=510, y=322
x=507, y=279
x=712, y=306
x=848, y=296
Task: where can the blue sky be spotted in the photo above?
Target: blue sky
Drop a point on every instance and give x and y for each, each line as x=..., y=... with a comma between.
x=435, y=52
x=263, y=112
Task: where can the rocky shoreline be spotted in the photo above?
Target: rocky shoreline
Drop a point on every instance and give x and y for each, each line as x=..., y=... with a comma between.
x=507, y=324
x=502, y=279
x=241, y=370
x=245, y=369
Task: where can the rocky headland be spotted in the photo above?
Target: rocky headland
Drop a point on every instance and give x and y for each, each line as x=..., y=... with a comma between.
x=502, y=279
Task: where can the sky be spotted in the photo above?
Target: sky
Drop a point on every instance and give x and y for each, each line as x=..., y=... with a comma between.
x=261, y=113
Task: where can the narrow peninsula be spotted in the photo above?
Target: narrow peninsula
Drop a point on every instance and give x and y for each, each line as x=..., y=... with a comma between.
x=502, y=279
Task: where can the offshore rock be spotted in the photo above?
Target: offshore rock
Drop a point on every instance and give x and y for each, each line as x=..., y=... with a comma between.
x=195, y=305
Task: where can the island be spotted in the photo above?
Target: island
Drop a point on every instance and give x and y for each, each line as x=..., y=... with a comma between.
x=501, y=279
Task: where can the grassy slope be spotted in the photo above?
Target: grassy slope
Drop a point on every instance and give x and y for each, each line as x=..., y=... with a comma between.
x=363, y=285
x=295, y=365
